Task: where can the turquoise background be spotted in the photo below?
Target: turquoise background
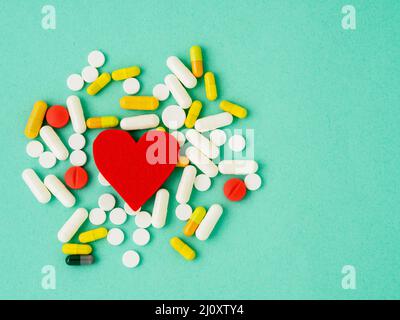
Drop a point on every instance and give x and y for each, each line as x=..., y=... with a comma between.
x=324, y=104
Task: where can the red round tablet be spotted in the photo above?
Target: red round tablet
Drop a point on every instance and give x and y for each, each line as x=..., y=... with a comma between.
x=235, y=189
x=76, y=178
x=57, y=116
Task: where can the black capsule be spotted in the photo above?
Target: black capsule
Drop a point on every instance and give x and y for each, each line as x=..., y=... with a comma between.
x=79, y=259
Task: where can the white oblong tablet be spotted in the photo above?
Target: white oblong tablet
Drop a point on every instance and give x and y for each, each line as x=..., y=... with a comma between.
x=238, y=167
x=185, y=186
x=106, y=202
x=209, y=149
x=75, y=111
x=160, y=209
x=161, y=92
x=143, y=219
x=202, y=162
x=218, y=137
x=78, y=158
x=90, y=74
x=117, y=216
x=252, y=181
x=146, y=121
x=97, y=216
x=178, y=91
x=131, y=86
x=237, y=143
x=59, y=190
x=47, y=160
x=115, y=236
x=213, y=122
x=72, y=225
x=141, y=237
x=173, y=117
x=36, y=186
x=76, y=141
x=34, y=149
x=130, y=211
x=53, y=141
x=183, y=211
x=202, y=182
x=75, y=82
x=102, y=180
x=179, y=136
x=207, y=225
x=130, y=259
x=182, y=72
x=96, y=59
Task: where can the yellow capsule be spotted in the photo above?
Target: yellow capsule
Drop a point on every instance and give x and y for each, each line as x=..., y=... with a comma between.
x=182, y=248
x=139, y=103
x=233, y=109
x=194, y=221
x=102, y=122
x=162, y=129
x=99, y=83
x=35, y=120
x=93, y=235
x=72, y=248
x=211, y=87
x=196, y=58
x=183, y=161
x=125, y=73
x=193, y=114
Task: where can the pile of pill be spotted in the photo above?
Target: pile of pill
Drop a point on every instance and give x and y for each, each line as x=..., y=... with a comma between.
x=199, y=157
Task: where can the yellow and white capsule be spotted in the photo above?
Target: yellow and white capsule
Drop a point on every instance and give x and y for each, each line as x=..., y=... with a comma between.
x=233, y=109
x=125, y=73
x=99, y=84
x=193, y=114
x=211, y=86
x=93, y=235
x=182, y=248
x=35, y=119
x=138, y=103
x=72, y=248
x=102, y=122
x=183, y=162
x=194, y=221
x=196, y=58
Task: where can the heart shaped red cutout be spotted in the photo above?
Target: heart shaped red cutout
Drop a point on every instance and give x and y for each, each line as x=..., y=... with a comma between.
x=136, y=170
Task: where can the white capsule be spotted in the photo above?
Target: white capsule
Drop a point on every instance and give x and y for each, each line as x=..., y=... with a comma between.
x=37, y=187
x=202, y=162
x=59, y=190
x=178, y=91
x=208, y=223
x=209, y=149
x=53, y=141
x=146, y=121
x=182, y=72
x=185, y=186
x=238, y=167
x=72, y=225
x=76, y=114
x=159, y=215
x=213, y=122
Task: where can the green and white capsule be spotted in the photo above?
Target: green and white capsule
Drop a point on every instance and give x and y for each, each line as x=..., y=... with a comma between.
x=79, y=260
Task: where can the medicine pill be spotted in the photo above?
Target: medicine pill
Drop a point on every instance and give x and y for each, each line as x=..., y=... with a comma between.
x=202, y=143
x=118, y=216
x=115, y=236
x=97, y=216
x=237, y=143
x=47, y=160
x=235, y=189
x=75, y=82
x=178, y=91
x=143, y=219
x=96, y=86
x=93, y=235
x=194, y=221
x=252, y=181
x=213, y=122
x=79, y=260
x=76, y=141
x=57, y=116
x=130, y=211
x=106, y=202
x=131, y=86
x=96, y=59
x=53, y=141
x=138, y=103
x=185, y=186
x=34, y=149
x=183, y=212
x=218, y=137
x=36, y=186
x=210, y=86
x=173, y=117
x=182, y=248
x=196, y=58
x=146, y=121
x=76, y=177
x=74, y=249
x=35, y=119
x=90, y=74
x=179, y=136
x=161, y=92
x=141, y=237
x=202, y=182
x=207, y=225
x=59, y=190
x=130, y=259
x=125, y=73
x=238, y=167
x=102, y=122
x=202, y=162
x=72, y=225
x=193, y=114
x=181, y=72
x=103, y=180
x=183, y=162
x=160, y=209
x=76, y=113
x=233, y=109
x=78, y=158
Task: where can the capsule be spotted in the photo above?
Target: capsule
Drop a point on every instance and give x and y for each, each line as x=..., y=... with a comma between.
x=181, y=72
x=178, y=91
x=138, y=103
x=72, y=225
x=162, y=129
x=183, y=162
x=102, y=122
x=59, y=190
x=53, y=141
x=202, y=162
x=194, y=221
x=193, y=114
x=182, y=248
x=76, y=113
x=233, y=109
x=209, y=222
x=93, y=235
x=213, y=122
x=79, y=259
x=209, y=149
x=196, y=58
x=159, y=214
x=72, y=248
x=99, y=84
x=185, y=185
x=238, y=167
x=145, y=121
x=37, y=187
x=125, y=73
x=35, y=119
x=211, y=87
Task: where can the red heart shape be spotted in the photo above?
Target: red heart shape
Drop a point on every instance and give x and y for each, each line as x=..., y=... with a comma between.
x=136, y=170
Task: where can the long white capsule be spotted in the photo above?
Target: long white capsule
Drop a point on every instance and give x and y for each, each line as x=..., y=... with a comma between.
x=185, y=186
x=59, y=190
x=146, y=121
x=209, y=149
x=178, y=91
x=208, y=223
x=37, y=187
x=160, y=209
x=76, y=113
x=182, y=72
x=213, y=122
x=72, y=225
x=53, y=141
x=202, y=162
x=238, y=167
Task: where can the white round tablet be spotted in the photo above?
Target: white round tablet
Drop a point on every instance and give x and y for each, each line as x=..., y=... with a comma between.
x=115, y=236
x=130, y=211
x=103, y=180
x=118, y=216
x=141, y=237
x=90, y=74
x=34, y=149
x=130, y=259
x=237, y=143
x=252, y=181
x=78, y=158
x=76, y=141
x=75, y=82
x=218, y=137
x=96, y=59
x=180, y=137
x=161, y=92
x=202, y=182
x=131, y=86
x=97, y=216
x=183, y=212
x=47, y=160
x=143, y=219
x=106, y=201
x=173, y=117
